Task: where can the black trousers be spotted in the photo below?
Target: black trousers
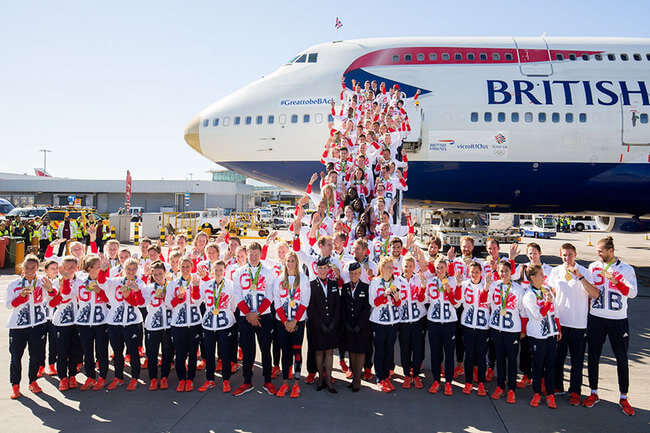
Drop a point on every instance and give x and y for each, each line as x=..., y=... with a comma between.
x=311, y=353
x=186, y=343
x=525, y=357
x=247, y=333
x=68, y=347
x=544, y=352
x=475, y=342
x=275, y=342
x=94, y=337
x=34, y=339
x=291, y=345
x=442, y=337
x=51, y=343
x=598, y=329
x=574, y=341
x=42, y=247
x=460, y=346
x=210, y=339
x=411, y=345
x=156, y=342
x=506, y=348
x=131, y=337
x=384, y=337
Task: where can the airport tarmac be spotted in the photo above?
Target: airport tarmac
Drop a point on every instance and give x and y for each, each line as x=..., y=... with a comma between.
x=412, y=410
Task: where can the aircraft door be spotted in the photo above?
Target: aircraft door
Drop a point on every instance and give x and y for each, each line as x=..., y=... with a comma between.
x=534, y=57
x=635, y=128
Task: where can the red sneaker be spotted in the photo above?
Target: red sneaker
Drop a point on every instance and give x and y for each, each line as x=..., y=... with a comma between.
x=127, y=358
x=234, y=367
x=407, y=382
x=367, y=374
x=468, y=388
x=226, y=386
x=163, y=383
x=349, y=374
x=524, y=382
x=390, y=384
x=141, y=352
x=15, y=392
x=88, y=384
x=448, y=389
x=72, y=382
x=591, y=400
x=489, y=374
x=391, y=373
x=435, y=387
x=550, y=402
x=189, y=385
x=383, y=386
x=536, y=399
x=209, y=384
x=133, y=383
x=201, y=365
x=115, y=383
x=219, y=365
x=100, y=384
x=458, y=371
x=153, y=385
x=41, y=371
x=275, y=372
x=282, y=391
x=417, y=382
x=498, y=393
x=243, y=389
x=344, y=366
x=481, y=389
x=295, y=391
x=311, y=377
x=240, y=355
x=574, y=399
x=511, y=397
x=181, y=386
x=270, y=388
x=145, y=363
x=51, y=370
x=625, y=405
x=33, y=387
x=64, y=385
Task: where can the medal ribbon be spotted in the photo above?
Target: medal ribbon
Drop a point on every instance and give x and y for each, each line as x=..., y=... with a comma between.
x=257, y=274
x=217, y=296
x=504, y=299
x=164, y=288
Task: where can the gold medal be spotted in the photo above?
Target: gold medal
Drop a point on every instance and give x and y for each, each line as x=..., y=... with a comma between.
x=92, y=285
x=568, y=276
x=215, y=311
x=503, y=312
x=292, y=304
x=445, y=281
x=253, y=287
x=159, y=293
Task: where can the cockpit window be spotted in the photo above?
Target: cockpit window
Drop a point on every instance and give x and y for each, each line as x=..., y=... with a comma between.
x=293, y=59
x=301, y=59
x=313, y=58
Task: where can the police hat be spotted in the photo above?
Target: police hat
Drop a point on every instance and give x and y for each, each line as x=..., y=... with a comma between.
x=354, y=266
x=324, y=261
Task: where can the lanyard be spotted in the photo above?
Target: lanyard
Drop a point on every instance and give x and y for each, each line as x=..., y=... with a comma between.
x=257, y=275
x=33, y=284
x=609, y=264
x=384, y=247
x=292, y=289
x=504, y=299
x=217, y=296
x=540, y=296
x=163, y=291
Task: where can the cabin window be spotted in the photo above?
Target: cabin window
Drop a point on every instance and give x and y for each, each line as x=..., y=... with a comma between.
x=528, y=117
x=496, y=56
x=206, y=122
x=215, y=122
x=559, y=56
x=270, y=119
x=572, y=56
x=568, y=117
x=396, y=58
x=305, y=118
x=624, y=57
x=643, y=118
x=248, y=120
x=611, y=57
x=585, y=57
x=541, y=117
x=470, y=56
x=301, y=59
x=508, y=56
x=282, y=119
x=637, y=57
x=598, y=57
x=514, y=117
x=482, y=56
x=458, y=56
x=501, y=117
x=408, y=57
x=237, y=120
x=294, y=118
x=318, y=118
x=433, y=57
x=420, y=57
x=445, y=56
x=582, y=117
x=555, y=117
x=487, y=116
x=474, y=117
x=259, y=120
x=226, y=121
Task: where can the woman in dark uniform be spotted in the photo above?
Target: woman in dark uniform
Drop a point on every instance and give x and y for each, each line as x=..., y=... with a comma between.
x=324, y=312
x=355, y=324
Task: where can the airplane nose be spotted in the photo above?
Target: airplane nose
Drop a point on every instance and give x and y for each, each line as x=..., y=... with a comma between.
x=192, y=133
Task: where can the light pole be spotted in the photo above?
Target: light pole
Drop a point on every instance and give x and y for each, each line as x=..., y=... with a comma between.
x=45, y=152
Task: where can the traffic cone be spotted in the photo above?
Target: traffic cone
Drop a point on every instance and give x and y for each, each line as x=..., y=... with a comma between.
x=646, y=237
x=589, y=241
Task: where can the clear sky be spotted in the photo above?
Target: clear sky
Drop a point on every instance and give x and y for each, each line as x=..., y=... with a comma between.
x=111, y=87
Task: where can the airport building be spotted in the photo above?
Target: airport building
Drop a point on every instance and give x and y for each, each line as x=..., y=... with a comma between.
x=231, y=194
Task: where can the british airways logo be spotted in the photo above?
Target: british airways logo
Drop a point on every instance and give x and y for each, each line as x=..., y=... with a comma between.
x=306, y=101
x=549, y=92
